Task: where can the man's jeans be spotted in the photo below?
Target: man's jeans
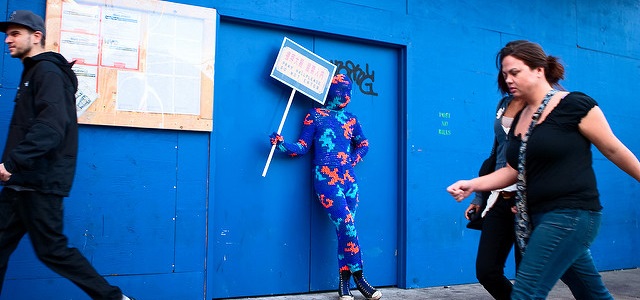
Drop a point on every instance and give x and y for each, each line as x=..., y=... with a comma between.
x=559, y=249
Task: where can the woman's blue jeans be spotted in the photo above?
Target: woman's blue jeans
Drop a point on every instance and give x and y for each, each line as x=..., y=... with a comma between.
x=559, y=249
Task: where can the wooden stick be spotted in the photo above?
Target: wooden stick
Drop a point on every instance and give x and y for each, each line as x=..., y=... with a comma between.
x=273, y=147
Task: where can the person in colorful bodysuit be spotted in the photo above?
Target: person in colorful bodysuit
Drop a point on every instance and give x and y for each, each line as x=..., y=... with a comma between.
x=339, y=145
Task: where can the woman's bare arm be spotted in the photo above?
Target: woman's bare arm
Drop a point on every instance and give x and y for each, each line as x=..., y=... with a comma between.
x=594, y=126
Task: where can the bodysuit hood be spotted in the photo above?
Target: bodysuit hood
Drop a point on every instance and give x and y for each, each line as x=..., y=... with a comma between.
x=339, y=93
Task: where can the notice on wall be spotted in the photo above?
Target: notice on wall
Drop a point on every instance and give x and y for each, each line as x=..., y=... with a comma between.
x=140, y=63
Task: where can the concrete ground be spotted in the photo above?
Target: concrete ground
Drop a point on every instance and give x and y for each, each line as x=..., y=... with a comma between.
x=623, y=285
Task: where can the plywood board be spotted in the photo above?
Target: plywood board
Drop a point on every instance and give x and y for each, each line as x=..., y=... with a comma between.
x=140, y=63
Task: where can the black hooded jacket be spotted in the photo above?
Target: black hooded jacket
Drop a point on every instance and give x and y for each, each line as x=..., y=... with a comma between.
x=42, y=143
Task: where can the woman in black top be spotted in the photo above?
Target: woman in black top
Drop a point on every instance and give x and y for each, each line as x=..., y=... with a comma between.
x=550, y=160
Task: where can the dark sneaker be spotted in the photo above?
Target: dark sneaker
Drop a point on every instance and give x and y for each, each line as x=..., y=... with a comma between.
x=344, y=286
x=367, y=290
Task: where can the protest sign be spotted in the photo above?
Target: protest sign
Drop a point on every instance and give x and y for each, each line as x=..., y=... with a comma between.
x=303, y=71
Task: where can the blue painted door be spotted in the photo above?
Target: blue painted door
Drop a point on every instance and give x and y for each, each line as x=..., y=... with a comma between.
x=375, y=99
x=269, y=235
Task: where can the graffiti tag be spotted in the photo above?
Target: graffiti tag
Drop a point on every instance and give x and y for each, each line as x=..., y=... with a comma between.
x=361, y=77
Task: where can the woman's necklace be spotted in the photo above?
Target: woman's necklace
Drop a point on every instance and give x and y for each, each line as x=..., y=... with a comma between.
x=523, y=224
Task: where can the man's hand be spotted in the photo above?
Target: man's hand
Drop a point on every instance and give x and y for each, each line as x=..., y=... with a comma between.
x=4, y=174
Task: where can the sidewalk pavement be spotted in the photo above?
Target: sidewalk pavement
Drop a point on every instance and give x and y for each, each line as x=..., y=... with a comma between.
x=623, y=285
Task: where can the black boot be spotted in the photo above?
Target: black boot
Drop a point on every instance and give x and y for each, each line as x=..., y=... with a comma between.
x=365, y=288
x=344, y=286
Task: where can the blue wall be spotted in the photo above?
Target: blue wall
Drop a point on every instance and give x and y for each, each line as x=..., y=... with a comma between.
x=143, y=208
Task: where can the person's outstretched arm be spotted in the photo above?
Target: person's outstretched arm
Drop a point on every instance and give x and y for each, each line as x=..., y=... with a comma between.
x=303, y=144
x=594, y=126
x=499, y=179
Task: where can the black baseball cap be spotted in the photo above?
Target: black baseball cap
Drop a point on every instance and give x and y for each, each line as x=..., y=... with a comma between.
x=24, y=18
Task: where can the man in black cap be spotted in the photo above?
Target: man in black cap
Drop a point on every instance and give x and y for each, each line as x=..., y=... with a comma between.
x=39, y=159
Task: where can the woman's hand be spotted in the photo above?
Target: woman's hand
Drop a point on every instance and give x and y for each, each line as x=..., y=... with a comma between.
x=460, y=190
x=474, y=207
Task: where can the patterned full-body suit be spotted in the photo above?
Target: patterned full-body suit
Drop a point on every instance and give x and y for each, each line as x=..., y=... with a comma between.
x=339, y=144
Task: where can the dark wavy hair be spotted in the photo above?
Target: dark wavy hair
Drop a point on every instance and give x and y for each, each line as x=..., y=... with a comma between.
x=533, y=56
